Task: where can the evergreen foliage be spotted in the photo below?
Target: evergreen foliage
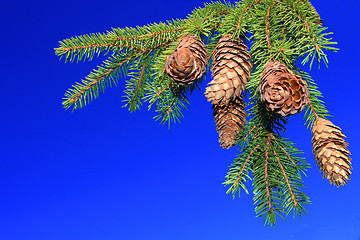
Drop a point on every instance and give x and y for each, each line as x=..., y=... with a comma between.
x=286, y=30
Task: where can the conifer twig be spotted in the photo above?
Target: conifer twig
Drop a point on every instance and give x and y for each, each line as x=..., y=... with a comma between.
x=245, y=11
x=267, y=26
x=162, y=90
x=313, y=109
x=243, y=167
x=266, y=173
x=286, y=179
x=307, y=26
x=148, y=35
x=287, y=154
x=95, y=81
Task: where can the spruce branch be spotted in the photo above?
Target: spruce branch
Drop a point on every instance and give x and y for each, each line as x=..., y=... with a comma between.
x=305, y=21
x=287, y=180
x=293, y=198
x=244, y=11
x=84, y=92
x=203, y=21
x=267, y=200
x=267, y=23
x=238, y=173
x=316, y=107
x=114, y=67
x=134, y=90
x=84, y=47
x=304, y=11
x=170, y=104
x=277, y=180
x=288, y=31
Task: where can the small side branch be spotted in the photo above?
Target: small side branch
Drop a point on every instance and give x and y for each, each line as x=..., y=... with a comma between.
x=246, y=9
x=307, y=25
x=148, y=35
x=162, y=90
x=140, y=78
x=64, y=50
x=266, y=172
x=286, y=179
x=313, y=109
x=267, y=23
x=95, y=81
x=287, y=154
x=171, y=106
x=247, y=135
x=244, y=165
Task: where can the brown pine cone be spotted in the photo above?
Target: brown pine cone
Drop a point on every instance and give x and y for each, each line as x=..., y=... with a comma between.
x=331, y=152
x=229, y=120
x=188, y=61
x=283, y=91
x=231, y=70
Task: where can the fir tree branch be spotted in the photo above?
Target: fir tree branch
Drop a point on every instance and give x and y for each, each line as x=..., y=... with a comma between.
x=286, y=179
x=72, y=47
x=245, y=11
x=250, y=132
x=97, y=79
x=307, y=26
x=170, y=107
x=211, y=54
x=285, y=30
x=149, y=35
x=162, y=90
x=135, y=86
x=287, y=154
x=236, y=176
x=267, y=26
x=293, y=175
x=246, y=161
x=141, y=76
x=316, y=107
x=313, y=109
x=84, y=46
x=270, y=209
x=77, y=96
x=170, y=104
x=71, y=51
x=203, y=21
x=277, y=183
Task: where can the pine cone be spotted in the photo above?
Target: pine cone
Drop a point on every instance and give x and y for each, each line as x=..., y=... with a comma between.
x=230, y=71
x=188, y=61
x=229, y=120
x=330, y=152
x=283, y=91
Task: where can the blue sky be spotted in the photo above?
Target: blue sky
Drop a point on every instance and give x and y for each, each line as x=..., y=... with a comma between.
x=101, y=173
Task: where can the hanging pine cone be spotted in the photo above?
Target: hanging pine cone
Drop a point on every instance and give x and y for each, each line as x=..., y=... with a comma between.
x=283, y=91
x=188, y=61
x=231, y=70
x=330, y=152
x=229, y=120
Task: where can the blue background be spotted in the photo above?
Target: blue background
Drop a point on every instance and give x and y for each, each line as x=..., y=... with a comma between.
x=102, y=173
